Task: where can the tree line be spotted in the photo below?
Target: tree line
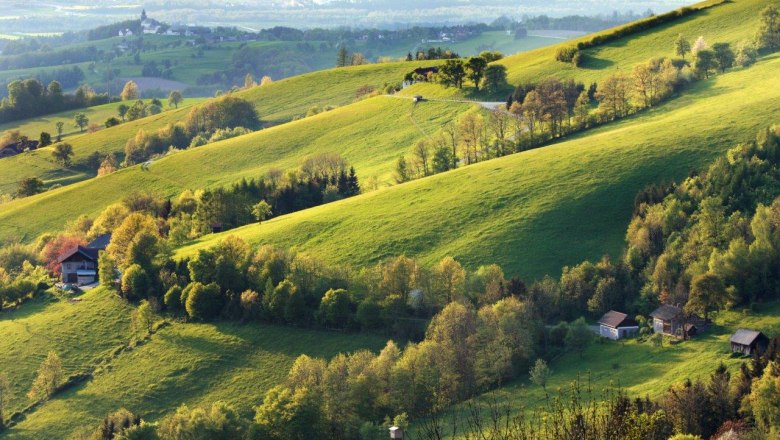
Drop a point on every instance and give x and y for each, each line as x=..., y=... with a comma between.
x=29, y=98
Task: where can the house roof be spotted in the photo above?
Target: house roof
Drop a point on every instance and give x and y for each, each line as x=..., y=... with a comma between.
x=617, y=319
x=101, y=242
x=744, y=336
x=666, y=312
x=88, y=253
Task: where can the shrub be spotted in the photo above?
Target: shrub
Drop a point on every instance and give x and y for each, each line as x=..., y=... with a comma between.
x=172, y=299
x=566, y=54
x=369, y=315
x=335, y=308
x=251, y=304
x=204, y=301
x=112, y=122
x=135, y=282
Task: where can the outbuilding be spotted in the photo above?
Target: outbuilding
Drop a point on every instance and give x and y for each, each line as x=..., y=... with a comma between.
x=747, y=342
x=617, y=325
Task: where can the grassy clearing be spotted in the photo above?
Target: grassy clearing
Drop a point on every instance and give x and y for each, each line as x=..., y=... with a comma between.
x=639, y=368
x=78, y=332
x=370, y=134
x=536, y=211
x=189, y=363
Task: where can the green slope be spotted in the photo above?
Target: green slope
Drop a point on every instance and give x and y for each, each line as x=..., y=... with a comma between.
x=39, y=163
x=731, y=22
x=276, y=103
x=537, y=211
x=79, y=333
x=182, y=363
x=370, y=134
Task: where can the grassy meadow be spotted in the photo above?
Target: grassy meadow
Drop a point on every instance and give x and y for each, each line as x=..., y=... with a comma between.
x=276, y=103
x=730, y=22
x=182, y=363
x=79, y=332
x=537, y=211
x=39, y=163
x=370, y=134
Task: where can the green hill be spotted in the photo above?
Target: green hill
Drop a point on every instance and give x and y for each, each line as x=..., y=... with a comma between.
x=182, y=363
x=730, y=22
x=539, y=210
x=39, y=163
x=278, y=102
x=370, y=134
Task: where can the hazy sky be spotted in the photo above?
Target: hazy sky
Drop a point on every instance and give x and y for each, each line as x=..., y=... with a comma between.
x=60, y=15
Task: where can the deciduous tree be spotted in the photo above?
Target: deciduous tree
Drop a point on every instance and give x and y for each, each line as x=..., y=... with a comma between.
x=48, y=379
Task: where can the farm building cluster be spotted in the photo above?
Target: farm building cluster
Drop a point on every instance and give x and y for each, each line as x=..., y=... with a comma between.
x=672, y=321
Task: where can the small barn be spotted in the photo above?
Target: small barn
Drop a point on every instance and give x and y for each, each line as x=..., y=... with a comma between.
x=748, y=342
x=617, y=325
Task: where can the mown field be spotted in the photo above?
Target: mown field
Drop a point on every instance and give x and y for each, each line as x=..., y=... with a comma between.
x=639, y=368
x=182, y=363
x=539, y=210
x=370, y=134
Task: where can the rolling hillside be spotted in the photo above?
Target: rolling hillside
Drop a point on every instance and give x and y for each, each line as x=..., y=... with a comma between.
x=731, y=22
x=370, y=134
x=278, y=102
x=539, y=210
x=39, y=163
x=182, y=363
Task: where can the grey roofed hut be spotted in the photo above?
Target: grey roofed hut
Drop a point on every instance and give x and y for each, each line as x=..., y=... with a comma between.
x=616, y=325
x=747, y=341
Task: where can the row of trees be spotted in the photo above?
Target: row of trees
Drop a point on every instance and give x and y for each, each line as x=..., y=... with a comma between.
x=28, y=98
x=203, y=120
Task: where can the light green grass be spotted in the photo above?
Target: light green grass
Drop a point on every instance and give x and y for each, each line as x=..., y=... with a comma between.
x=97, y=115
x=536, y=211
x=370, y=134
x=278, y=102
x=640, y=369
x=39, y=163
x=730, y=22
x=78, y=332
x=187, y=363
x=500, y=41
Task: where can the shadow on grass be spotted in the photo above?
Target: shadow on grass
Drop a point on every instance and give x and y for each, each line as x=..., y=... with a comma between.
x=28, y=308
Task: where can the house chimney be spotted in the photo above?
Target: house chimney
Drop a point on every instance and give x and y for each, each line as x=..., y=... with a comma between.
x=396, y=432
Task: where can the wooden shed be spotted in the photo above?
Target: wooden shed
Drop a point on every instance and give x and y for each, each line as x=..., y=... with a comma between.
x=616, y=325
x=747, y=342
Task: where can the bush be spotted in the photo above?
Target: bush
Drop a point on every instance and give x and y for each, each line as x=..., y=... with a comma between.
x=369, y=315
x=172, y=299
x=335, y=308
x=204, y=301
x=135, y=282
x=566, y=54
x=112, y=122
